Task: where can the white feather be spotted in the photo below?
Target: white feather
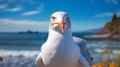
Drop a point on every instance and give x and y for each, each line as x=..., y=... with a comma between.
x=60, y=50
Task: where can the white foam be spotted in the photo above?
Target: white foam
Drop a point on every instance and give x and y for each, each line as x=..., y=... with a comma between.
x=25, y=53
x=18, y=58
x=116, y=51
x=98, y=50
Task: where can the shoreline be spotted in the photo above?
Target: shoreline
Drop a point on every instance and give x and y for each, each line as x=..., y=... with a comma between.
x=110, y=36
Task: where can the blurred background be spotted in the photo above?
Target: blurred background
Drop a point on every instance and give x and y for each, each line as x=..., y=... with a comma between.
x=24, y=27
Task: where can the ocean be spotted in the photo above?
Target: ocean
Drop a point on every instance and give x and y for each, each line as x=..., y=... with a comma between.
x=21, y=50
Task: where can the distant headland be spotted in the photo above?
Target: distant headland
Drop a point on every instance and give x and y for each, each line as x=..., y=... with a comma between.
x=29, y=32
x=110, y=31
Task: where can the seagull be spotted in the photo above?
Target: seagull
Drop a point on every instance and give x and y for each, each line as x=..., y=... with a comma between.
x=61, y=49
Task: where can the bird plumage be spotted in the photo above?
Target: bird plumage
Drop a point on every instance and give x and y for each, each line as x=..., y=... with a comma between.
x=84, y=50
x=60, y=50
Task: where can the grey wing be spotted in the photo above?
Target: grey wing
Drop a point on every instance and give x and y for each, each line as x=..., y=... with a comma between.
x=84, y=50
x=83, y=61
x=39, y=61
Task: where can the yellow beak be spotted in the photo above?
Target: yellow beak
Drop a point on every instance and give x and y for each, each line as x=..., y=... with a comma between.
x=61, y=25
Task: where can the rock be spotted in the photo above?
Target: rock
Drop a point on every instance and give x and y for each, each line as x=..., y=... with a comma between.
x=113, y=26
x=1, y=59
x=110, y=31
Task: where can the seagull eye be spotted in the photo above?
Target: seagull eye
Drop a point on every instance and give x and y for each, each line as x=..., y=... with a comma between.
x=67, y=17
x=52, y=18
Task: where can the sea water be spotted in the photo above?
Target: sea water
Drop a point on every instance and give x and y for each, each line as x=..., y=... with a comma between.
x=21, y=50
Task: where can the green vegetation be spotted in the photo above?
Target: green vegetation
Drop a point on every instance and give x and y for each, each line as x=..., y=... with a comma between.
x=113, y=26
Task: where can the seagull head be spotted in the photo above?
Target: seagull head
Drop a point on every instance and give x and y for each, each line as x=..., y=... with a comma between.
x=60, y=21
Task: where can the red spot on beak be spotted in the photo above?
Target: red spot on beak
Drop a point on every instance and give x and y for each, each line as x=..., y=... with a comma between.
x=61, y=25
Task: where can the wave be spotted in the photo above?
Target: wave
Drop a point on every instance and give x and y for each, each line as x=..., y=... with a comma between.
x=18, y=58
x=116, y=51
x=98, y=50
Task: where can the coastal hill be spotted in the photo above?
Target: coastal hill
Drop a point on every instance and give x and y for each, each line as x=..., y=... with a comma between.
x=113, y=26
x=110, y=31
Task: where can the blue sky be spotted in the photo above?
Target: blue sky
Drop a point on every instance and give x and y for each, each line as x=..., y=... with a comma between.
x=23, y=15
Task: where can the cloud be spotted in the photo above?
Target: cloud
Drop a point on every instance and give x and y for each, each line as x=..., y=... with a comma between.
x=10, y=0
x=21, y=22
x=93, y=1
x=3, y=6
x=42, y=5
x=39, y=9
x=107, y=14
x=104, y=15
x=118, y=13
x=31, y=13
x=112, y=1
x=11, y=25
x=14, y=9
x=108, y=1
x=1, y=0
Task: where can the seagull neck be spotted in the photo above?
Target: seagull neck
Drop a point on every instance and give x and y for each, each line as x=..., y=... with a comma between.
x=67, y=35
